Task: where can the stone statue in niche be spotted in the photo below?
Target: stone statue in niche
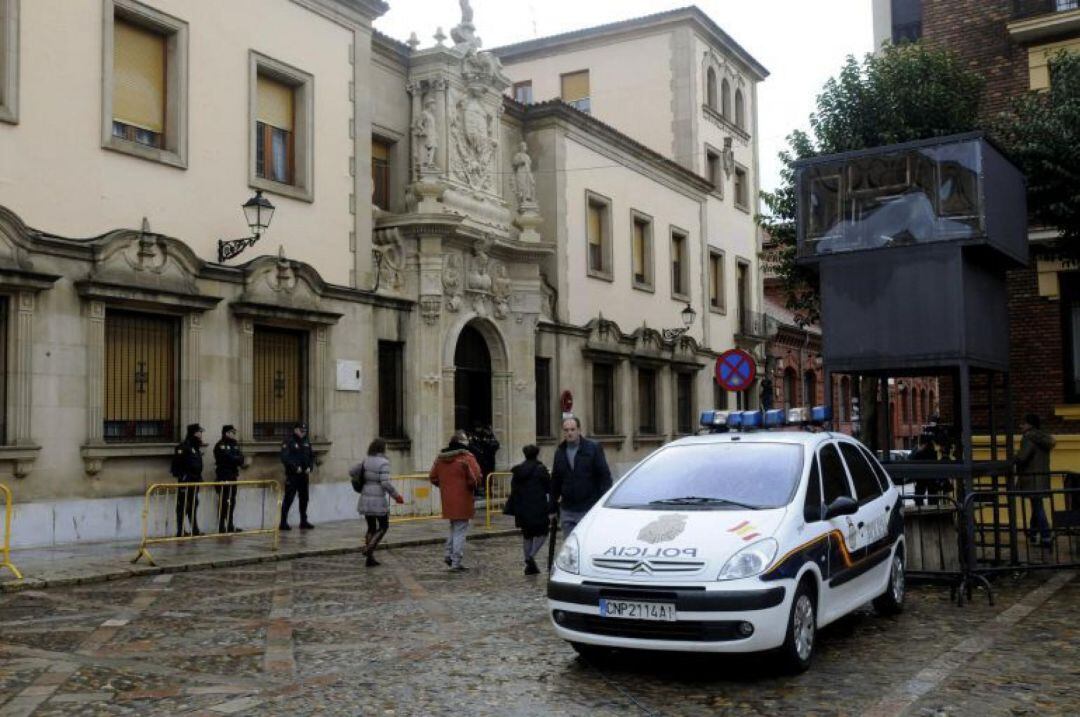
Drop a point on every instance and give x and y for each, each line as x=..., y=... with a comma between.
x=479, y=279
x=452, y=281
x=524, y=182
x=728, y=157
x=426, y=130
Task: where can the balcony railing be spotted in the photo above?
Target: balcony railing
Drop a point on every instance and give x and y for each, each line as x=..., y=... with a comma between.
x=756, y=325
x=1031, y=8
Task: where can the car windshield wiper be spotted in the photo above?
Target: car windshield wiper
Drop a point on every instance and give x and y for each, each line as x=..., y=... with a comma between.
x=701, y=500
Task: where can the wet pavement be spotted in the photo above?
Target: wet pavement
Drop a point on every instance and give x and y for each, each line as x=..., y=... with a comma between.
x=324, y=635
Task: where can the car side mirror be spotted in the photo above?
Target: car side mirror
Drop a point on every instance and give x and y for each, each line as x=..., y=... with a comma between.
x=841, y=506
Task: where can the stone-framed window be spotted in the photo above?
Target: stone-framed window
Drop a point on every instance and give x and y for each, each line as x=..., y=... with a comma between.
x=648, y=423
x=714, y=169
x=144, y=104
x=720, y=396
x=391, y=370
x=543, y=398
x=725, y=99
x=9, y=61
x=680, y=264
x=684, y=402
x=281, y=118
x=641, y=251
x=280, y=378
x=142, y=377
x=740, y=110
x=598, y=235
x=717, y=288
x=604, y=388
x=742, y=188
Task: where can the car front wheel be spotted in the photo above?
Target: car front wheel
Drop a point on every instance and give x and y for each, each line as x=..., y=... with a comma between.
x=891, y=602
x=798, y=647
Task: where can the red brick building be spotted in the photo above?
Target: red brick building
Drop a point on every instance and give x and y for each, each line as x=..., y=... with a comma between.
x=1008, y=43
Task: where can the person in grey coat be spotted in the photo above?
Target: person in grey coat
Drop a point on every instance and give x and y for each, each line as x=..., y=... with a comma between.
x=374, y=476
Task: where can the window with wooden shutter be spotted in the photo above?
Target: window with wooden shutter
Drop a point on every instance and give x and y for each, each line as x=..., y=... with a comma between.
x=279, y=381
x=641, y=253
x=684, y=402
x=274, y=122
x=380, y=173
x=679, y=266
x=575, y=90
x=597, y=231
x=716, y=280
x=139, y=82
x=140, y=377
x=603, y=385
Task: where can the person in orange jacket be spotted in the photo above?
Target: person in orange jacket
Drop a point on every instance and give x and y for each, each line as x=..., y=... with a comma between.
x=456, y=473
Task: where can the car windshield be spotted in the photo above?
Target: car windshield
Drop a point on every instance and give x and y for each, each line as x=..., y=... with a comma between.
x=713, y=476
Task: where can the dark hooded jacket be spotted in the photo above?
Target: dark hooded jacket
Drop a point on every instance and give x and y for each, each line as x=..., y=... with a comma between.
x=1033, y=460
x=457, y=474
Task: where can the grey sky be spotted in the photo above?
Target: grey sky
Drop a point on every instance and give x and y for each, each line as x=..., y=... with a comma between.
x=801, y=43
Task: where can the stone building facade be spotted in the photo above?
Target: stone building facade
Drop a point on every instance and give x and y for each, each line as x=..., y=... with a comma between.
x=1008, y=43
x=482, y=271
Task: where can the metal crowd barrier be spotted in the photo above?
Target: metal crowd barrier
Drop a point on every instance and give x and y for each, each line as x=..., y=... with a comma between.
x=422, y=500
x=962, y=539
x=168, y=507
x=497, y=492
x=5, y=552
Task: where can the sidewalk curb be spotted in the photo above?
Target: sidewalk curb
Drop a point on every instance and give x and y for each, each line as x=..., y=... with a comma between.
x=31, y=583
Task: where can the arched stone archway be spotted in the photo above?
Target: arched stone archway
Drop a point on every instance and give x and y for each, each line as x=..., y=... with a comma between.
x=476, y=348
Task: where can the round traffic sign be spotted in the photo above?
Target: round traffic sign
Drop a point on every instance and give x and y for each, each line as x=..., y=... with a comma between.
x=735, y=370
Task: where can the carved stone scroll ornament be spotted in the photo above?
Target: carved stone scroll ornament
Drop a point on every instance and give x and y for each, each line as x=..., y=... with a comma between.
x=501, y=291
x=479, y=279
x=430, y=309
x=452, y=281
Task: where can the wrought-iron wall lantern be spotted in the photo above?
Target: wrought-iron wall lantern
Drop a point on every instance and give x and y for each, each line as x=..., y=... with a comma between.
x=688, y=316
x=257, y=211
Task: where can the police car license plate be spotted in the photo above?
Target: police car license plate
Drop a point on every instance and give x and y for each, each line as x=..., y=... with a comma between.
x=637, y=610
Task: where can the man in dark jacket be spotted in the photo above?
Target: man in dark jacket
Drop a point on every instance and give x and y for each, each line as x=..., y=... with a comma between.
x=529, y=503
x=924, y=486
x=1033, y=474
x=579, y=475
x=299, y=460
x=228, y=460
x=187, y=467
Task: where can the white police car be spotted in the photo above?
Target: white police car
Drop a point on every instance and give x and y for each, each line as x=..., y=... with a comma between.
x=733, y=542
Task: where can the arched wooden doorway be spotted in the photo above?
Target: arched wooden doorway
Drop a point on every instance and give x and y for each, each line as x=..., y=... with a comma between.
x=472, y=380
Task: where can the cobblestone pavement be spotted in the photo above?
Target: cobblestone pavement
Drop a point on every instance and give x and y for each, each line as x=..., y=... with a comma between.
x=324, y=635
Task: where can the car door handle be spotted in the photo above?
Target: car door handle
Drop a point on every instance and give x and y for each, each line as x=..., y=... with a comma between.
x=888, y=508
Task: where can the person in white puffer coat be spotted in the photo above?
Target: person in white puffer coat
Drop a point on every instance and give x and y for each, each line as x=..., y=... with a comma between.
x=374, y=472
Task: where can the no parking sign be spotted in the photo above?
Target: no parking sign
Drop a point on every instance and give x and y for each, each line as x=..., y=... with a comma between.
x=735, y=370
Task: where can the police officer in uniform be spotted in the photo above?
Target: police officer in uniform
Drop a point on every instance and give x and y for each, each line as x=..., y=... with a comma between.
x=299, y=460
x=187, y=466
x=228, y=460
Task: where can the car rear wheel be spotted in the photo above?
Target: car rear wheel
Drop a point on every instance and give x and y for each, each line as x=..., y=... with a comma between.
x=891, y=602
x=798, y=647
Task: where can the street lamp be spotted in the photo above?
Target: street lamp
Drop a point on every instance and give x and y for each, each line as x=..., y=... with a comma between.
x=257, y=212
x=688, y=316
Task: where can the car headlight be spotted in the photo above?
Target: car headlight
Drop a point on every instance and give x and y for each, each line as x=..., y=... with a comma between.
x=569, y=557
x=749, y=561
